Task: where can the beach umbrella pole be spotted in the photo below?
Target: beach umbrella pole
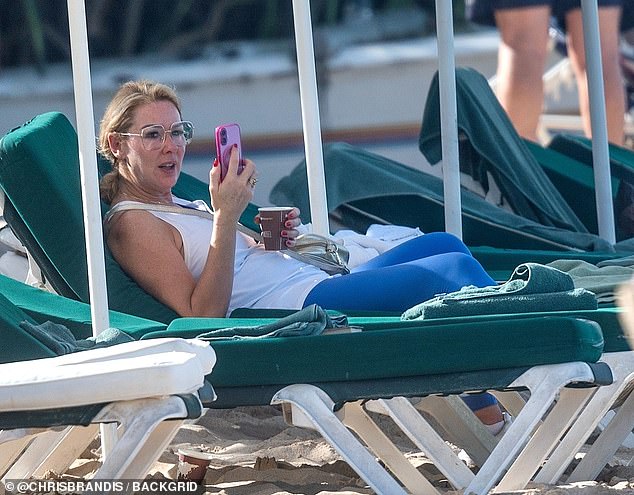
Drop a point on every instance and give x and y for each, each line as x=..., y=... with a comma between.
x=89, y=181
x=448, y=117
x=310, y=116
x=596, y=92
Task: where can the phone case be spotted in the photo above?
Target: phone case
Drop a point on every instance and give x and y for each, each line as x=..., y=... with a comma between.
x=226, y=136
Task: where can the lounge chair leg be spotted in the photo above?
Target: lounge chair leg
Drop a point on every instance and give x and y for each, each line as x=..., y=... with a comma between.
x=543, y=383
x=43, y=446
x=457, y=423
x=545, y=438
x=462, y=427
x=628, y=443
x=607, y=444
x=355, y=418
x=603, y=399
x=69, y=448
x=152, y=448
x=315, y=404
x=11, y=450
x=427, y=440
x=512, y=402
x=138, y=419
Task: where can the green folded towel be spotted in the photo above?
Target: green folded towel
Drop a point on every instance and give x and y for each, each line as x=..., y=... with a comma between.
x=532, y=287
x=312, y=320
x=60, y=340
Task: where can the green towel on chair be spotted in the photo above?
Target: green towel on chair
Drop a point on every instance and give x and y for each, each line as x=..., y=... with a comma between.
x=312, y=320
x=532, y=287
x=60, y=339
x=602, y=279
x=492, y=146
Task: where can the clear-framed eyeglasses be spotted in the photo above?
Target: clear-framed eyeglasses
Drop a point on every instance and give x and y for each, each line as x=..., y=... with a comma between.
x=153, y=136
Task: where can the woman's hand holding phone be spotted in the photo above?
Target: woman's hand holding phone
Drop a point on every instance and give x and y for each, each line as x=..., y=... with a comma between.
x=227, y=139
x=236, y=191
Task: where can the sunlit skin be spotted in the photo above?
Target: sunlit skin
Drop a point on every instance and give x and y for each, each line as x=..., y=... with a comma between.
x=151, y=250
x=522, y=57
x=149, y=175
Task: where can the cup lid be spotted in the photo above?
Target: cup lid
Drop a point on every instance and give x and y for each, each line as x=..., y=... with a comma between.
x=274, y=208
x=196, y=454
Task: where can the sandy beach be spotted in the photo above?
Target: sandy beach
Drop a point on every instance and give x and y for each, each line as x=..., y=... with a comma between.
x=254, y=452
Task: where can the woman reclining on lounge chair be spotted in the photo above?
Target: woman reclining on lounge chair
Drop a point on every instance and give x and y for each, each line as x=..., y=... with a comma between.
x=203, y=267
x=200, y=267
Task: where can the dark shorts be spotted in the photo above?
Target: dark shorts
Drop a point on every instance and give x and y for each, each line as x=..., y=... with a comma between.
x=481, y=11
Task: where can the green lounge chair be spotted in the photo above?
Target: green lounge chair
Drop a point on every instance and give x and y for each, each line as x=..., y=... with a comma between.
x=573, y=179
x=542, y=228
x=148, y=388
x=393, y=193
x=400, y=195
x=548, y=185
x=578, y=149
x=323, y=380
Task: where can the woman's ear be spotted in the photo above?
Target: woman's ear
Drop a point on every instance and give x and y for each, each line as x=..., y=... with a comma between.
x=115, y=143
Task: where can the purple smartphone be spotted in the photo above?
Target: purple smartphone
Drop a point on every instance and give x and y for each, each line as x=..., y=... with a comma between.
x=226, y=136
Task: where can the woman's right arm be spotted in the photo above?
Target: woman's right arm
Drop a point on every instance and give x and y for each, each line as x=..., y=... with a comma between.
x=229, y=199
x=151, y=250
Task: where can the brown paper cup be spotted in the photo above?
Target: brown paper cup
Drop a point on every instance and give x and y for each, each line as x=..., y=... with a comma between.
x=272, y=220
x=192, y=465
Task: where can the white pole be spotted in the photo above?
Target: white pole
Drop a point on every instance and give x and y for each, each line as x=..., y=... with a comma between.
x=448, y=117
x=310, y=116
x=600, y=150
x=89, y=181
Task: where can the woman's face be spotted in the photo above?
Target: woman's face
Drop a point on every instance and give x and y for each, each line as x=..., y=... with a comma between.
x=153, y=171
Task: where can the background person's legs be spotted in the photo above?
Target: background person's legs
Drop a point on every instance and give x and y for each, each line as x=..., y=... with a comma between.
x=521, y=62
x=485, y=406
x=609, y=21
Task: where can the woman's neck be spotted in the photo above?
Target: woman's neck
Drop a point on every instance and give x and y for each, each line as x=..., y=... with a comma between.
x=133, y=194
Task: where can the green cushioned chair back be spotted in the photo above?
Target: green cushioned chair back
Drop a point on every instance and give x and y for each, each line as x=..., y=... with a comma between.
x=40, y=176
x=18, y=344
x=495, y=149
x=580, y=148
x=574, y=180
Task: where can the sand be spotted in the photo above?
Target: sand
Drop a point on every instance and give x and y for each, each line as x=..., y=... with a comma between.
x=254, y=452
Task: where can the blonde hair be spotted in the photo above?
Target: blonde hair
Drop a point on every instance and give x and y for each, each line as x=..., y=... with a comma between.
x=118, y=117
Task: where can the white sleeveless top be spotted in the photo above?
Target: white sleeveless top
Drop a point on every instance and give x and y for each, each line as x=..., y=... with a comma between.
x=262, y=279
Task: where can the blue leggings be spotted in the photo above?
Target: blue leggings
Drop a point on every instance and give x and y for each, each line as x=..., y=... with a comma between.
x=403, y=277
